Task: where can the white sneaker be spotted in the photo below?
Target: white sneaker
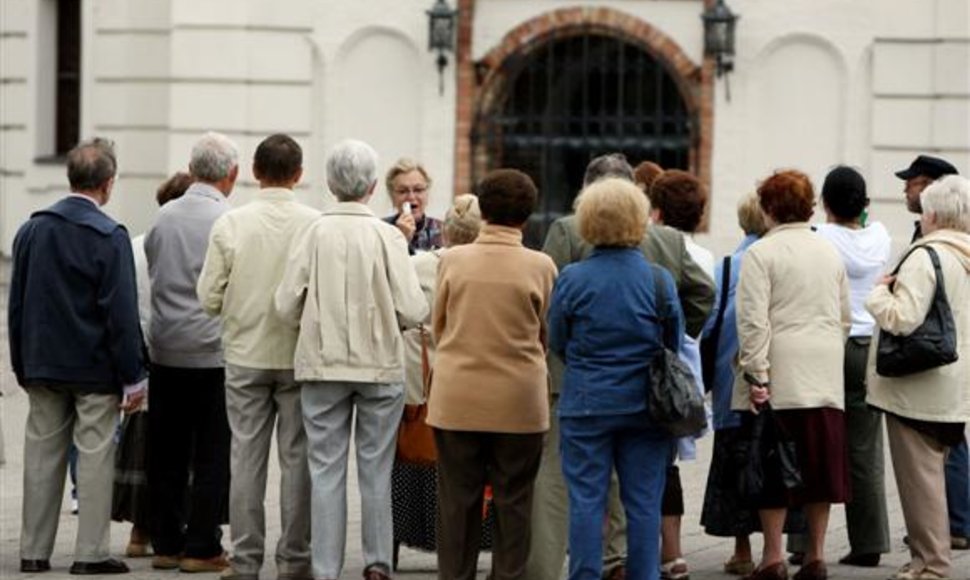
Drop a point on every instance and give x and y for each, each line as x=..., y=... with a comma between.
x=74, y=506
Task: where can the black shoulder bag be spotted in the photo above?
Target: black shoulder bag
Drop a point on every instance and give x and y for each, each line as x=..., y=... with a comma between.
x=710, y=342
x=672, y=398
x=933, y=344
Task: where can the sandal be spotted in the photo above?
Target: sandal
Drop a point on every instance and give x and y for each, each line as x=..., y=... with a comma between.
x=738, y=567
x=675, y=570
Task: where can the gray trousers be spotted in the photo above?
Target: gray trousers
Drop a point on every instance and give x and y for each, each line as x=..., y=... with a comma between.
x=58, y=414
x=328, y=408
x=256, y=401
x=550, y=514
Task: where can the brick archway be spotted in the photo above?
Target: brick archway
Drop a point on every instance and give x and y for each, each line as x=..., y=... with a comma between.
x=480, y=83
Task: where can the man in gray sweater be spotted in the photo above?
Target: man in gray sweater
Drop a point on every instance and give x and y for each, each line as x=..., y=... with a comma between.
x=188, y=428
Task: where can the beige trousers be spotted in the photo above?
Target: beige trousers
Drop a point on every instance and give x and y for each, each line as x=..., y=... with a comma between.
x=918, y=462
x=57, y=414
x=550, y=515
x=258, y=400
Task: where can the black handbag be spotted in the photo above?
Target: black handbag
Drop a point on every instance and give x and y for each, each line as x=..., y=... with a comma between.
x=766, y=459
x=710, y=342
x=932, y=344
x=672, y=398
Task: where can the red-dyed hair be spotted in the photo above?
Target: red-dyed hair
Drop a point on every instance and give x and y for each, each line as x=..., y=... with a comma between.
x=787, y=196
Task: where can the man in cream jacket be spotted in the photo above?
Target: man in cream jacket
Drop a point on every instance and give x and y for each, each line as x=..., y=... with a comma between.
x=243, y=266
x=350, y=287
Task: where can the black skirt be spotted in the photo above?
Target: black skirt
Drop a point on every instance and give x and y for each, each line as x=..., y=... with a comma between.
x=724, y=513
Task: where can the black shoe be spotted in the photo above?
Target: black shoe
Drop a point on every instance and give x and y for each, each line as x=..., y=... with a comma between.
x=796, y=558
x=861, y=560
x=109, y=566
x=35, y=565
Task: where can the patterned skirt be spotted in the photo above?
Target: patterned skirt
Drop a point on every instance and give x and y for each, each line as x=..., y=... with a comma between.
x=414, y=494
x=129, y=500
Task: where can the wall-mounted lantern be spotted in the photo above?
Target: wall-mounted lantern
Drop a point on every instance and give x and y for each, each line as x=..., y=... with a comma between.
x=719, y=25
x=442, y=22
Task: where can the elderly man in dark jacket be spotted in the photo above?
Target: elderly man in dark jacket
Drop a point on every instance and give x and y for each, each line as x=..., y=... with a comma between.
x=76, y=347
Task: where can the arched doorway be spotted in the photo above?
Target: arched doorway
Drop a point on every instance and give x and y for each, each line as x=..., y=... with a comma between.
x=570, y=99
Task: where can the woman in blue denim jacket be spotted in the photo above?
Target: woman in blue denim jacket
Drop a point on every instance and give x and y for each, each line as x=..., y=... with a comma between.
x=606, y=324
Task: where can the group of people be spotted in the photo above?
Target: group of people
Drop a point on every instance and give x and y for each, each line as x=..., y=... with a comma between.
x=527, y=370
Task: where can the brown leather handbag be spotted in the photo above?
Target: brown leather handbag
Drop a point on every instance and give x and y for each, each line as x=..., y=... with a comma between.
x=415, y=438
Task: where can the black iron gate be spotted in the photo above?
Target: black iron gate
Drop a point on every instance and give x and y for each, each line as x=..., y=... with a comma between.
x=570, y=100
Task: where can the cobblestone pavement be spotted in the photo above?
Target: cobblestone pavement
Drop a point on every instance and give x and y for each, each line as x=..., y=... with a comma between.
x=704, y=553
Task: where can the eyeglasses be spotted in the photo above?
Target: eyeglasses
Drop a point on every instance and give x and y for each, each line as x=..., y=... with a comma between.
x=417, y=190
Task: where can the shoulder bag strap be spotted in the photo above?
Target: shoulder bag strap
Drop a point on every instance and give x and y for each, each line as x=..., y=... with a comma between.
x=721, y=307
x=425, y=363
x=660, y=294
x=940, y=293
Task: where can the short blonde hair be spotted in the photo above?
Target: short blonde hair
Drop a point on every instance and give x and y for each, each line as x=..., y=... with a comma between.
x=463, y=220
x=750, y=216
x=948, y=198
x=612, y=212
x=402, y=166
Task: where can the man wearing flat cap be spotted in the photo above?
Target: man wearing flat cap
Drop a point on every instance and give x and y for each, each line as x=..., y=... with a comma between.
x=923, y=171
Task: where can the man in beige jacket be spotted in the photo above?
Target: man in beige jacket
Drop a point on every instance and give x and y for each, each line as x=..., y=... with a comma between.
x=350, y=287
x=243, y=265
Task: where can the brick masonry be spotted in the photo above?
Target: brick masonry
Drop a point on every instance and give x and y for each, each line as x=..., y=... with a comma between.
x=479, y=83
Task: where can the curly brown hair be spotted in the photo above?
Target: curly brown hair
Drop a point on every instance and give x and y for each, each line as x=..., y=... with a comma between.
x=645, y=174
x=507, y=197
x=681, y=198
x=787, y=197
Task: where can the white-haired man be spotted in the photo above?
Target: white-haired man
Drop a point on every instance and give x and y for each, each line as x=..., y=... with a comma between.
x=350, y=287
x=188, y=427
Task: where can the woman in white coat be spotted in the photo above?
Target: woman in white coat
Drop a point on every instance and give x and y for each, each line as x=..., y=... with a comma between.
x=927, y=412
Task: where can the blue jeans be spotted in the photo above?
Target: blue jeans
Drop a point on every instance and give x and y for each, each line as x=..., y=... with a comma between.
x=958, y=490
x=591, y=447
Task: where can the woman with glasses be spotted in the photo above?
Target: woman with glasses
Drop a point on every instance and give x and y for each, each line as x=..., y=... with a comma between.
x=408, y=183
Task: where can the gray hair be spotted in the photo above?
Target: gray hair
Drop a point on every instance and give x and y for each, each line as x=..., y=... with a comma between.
x=351, y=169
x=213, y=157
x=609, y=165
x=90, y=164
x=948, y=198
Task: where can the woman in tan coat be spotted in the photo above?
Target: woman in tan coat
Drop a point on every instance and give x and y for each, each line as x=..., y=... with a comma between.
x=489, y=400
x=793, y=318
x=414, y=488
x=927, y=412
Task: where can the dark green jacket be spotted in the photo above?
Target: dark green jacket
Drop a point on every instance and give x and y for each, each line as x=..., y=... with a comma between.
x=661, y=245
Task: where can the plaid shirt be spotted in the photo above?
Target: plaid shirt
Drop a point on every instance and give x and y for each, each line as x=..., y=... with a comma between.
x=426, y=237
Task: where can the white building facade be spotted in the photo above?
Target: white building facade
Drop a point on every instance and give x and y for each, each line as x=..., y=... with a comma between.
x=537, y=84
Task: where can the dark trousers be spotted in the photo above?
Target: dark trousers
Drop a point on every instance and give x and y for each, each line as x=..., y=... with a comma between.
x=866, y=517
x=468, y=460
x=188, y=430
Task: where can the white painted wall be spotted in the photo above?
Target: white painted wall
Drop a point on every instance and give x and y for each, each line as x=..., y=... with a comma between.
x=870, y=83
